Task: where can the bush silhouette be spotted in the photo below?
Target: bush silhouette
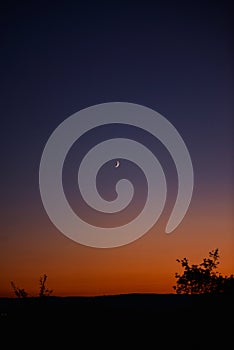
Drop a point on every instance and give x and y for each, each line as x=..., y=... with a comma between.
x=203, y=278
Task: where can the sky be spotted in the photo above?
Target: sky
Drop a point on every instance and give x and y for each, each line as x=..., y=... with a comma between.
x=58, y=58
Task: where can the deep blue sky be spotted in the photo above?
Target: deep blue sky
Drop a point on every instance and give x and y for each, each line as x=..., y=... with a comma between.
x=172, y=56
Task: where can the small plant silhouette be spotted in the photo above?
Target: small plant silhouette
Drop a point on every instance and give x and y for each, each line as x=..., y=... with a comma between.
x=19, y=292
x=43, y=291
x=203, y=278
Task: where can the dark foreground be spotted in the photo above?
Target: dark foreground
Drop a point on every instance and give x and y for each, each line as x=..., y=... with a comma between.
x=131, y=321
x=122, y=306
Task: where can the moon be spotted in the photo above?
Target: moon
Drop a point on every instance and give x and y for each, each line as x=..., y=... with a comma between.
x=117, y=164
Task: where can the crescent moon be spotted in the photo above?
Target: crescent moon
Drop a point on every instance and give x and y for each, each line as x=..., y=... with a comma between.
x=117, y=164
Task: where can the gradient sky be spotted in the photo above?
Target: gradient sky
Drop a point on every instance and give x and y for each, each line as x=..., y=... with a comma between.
x=58, y=58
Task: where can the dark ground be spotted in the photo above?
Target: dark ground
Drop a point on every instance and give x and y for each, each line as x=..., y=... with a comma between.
x=128, y=321
x=124, y=305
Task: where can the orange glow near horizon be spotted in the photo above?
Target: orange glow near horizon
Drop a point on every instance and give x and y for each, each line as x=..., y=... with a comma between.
x=147, y=265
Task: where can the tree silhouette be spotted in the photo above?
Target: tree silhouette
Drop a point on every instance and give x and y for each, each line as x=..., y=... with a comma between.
x=203, y=278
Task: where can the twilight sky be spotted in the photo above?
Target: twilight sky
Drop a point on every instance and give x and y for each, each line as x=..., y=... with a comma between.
x=58, y=58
